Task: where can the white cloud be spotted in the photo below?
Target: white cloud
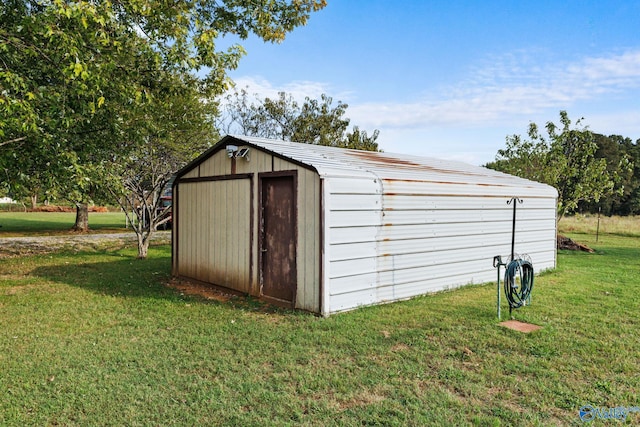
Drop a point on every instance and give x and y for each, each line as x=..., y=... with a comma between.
x=470, y=120
x=507, y=89
x=503, y=89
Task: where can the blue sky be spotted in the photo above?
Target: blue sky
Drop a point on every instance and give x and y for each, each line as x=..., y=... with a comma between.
x=452, y=79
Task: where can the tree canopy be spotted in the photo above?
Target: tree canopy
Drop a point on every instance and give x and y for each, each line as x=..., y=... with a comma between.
x=614, y=148
x=316, y=121
x=76, y=78
x=565, y=159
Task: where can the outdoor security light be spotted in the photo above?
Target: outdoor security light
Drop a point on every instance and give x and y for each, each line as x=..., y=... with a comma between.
x=231, y=149
x=243, y=152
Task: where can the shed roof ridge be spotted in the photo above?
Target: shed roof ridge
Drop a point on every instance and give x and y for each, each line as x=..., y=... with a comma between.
x=334, y=161
x=323, y=151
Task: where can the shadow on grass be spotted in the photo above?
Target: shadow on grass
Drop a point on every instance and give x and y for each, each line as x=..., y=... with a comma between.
x=127, y=277
x=134, y=278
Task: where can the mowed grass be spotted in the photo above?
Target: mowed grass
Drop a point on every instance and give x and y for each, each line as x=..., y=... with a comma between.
x=47, y=223
x=98, y=339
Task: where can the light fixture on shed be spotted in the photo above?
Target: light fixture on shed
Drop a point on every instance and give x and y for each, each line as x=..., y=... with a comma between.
x=231, y=150
x=234, y=152
x=243, y=153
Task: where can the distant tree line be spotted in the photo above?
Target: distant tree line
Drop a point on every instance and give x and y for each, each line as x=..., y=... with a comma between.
x=613, y=149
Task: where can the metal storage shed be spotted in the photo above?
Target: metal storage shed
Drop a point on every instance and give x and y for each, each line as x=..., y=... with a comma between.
x=326, y=229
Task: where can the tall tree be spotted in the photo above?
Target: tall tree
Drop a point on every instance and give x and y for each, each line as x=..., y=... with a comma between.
x=140, y=176
x=69, y=71
x=565, y=159
x=316, y=121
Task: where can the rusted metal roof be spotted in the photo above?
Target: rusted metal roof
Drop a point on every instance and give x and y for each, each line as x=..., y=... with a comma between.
x=395, y=169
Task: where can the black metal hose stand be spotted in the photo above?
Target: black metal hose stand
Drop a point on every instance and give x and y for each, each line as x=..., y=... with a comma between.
x=518, y=276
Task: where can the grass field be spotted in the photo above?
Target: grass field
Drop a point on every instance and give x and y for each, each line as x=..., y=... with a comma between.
x=40, y=223
x=588, y=225
x=98, y=339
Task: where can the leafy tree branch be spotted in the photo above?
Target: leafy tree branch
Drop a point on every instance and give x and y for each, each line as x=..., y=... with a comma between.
x=566, y=159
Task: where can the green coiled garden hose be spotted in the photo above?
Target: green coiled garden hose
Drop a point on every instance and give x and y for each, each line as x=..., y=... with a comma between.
x=518, y=282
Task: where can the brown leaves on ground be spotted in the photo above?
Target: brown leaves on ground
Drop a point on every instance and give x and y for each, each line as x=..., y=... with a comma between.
x=566, y=243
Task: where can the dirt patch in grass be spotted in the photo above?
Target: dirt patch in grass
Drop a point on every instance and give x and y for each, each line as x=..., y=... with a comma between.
x=364, y=398
x=209, y=292
x=400, y=347
x=342, y=403
x=212, y=292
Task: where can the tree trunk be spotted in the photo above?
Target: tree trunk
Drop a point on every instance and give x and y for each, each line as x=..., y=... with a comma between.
x=34, y=201
x=82, y=218
x=143, y=244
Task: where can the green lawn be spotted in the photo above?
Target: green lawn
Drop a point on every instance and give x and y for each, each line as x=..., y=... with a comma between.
x=97, y=339
x=31, y=223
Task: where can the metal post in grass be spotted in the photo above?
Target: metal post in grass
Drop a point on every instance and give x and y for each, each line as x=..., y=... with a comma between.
x=598, y=226
x=497, y=263
x=518, y=294
x=515, y=201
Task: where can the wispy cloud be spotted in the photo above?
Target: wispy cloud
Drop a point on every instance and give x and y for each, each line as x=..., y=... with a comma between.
x=625, y=123
x=509, y=87
x=297, y=89
x=500, y=96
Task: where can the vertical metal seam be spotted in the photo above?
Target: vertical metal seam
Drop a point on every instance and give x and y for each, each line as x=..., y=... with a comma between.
x=260, y=230
x=174, y=230
x=295, y=238
x=321, y=283
x=251, y=232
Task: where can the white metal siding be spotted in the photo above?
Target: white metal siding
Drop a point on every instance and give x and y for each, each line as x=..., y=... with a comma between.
x=353, y=211
x=426, y=243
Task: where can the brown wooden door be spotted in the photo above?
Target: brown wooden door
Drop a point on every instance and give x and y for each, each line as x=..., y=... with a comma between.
x=278, y=240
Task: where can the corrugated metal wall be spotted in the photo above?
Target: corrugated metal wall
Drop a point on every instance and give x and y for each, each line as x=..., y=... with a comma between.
x=353, y=215
x=428, y=243
x=393, y=239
